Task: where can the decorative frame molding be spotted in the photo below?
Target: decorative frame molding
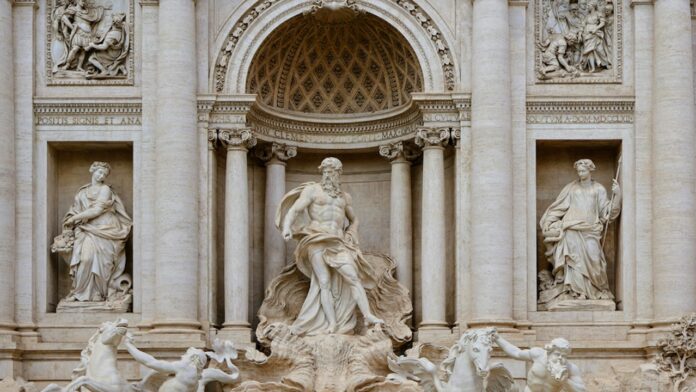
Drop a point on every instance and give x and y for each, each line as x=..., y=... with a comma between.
x=446, y=57
x=614, y=111
x=617, y=70
x=129, y=80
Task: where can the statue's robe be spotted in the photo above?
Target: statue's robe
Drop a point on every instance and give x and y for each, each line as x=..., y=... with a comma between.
x=579, y=215
x=98, y=257
x=336, y=252
x=293, y=298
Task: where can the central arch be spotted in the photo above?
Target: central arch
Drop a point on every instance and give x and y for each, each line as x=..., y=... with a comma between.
x=256, y=20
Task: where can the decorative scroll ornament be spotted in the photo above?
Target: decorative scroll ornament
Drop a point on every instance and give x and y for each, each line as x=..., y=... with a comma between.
x=236, y=138
x=90, y=42
x=429, y=137
x=276, y=151
x=398, y=150
x=333, y=5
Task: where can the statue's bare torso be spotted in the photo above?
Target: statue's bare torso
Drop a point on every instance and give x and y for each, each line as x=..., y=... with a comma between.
x=327, y=214
x=539, y=379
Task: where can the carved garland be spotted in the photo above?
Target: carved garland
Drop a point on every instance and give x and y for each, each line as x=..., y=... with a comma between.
x=262, y=6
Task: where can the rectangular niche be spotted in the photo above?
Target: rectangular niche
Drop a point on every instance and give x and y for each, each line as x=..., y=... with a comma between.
x=68, y=165
x=554, y=170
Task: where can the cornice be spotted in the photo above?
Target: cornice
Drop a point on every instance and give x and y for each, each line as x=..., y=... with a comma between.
x=25, y=3
x=88, y=106
x=619, y=110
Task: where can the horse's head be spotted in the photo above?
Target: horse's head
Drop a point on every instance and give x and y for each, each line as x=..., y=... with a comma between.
x=112, y=332
x=478, y=344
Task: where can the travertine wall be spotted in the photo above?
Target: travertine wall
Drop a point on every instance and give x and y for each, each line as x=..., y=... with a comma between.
x=516, y=136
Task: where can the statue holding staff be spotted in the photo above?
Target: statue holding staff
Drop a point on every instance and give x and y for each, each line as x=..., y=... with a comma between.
x=572, y=228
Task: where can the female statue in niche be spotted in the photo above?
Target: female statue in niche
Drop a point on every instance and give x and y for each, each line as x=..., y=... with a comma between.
x=572, y=228
x=95, y=231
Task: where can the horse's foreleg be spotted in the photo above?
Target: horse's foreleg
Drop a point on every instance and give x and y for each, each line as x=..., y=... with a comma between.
x=93, y=386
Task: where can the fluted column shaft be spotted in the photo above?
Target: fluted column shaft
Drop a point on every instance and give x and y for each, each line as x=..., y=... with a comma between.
x=176, y=140
x=674, y=167
x=7, y=170
x=236, y=247
x=491, y=167
x=400, y=221
x=275, y=156
x=433, y=257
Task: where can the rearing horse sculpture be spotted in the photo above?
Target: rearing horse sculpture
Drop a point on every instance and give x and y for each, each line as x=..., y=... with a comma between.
x=98, y=371
x=466, y=369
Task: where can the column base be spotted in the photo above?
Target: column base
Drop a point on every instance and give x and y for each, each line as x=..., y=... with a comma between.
x=238, y=333
x=435, y=332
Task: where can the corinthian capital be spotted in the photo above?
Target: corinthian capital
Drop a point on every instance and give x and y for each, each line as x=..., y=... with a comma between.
x=276, y=152
x=236, y=138
x=432, y=137
x=398, y=151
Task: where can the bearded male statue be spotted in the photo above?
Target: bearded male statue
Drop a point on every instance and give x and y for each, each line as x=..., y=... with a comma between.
x=550, y=370
x=332, y=287
x=328, y=254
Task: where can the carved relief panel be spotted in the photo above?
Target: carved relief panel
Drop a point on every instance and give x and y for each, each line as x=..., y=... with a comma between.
x=90, y=42
x=578, y=41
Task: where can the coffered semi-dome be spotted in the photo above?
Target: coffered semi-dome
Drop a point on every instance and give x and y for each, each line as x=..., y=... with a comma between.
x=328, y=67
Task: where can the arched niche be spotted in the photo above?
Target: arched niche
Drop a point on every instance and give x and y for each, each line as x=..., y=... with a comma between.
x=252, y=23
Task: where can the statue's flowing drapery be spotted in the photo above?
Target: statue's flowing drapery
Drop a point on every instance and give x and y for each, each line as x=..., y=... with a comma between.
x=98, y=256
x=577, y=217
x=299, y=285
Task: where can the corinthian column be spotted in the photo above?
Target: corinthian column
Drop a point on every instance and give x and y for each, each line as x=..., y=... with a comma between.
x=176, y=176
x=7, y=170
x=433, y=258
x=236, y=325
x=674, y=168
x=275, y=155
x=400, y=225
x=491, y=166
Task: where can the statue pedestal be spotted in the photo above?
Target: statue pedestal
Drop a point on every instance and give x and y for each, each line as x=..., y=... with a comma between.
x=606, y=305
x=119, y=305
x=322, y=363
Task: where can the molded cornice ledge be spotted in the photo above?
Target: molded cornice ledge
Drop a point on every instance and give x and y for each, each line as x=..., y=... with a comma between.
x=518, y=3
x=25, y=3
x=642, y=2
x=151, y=3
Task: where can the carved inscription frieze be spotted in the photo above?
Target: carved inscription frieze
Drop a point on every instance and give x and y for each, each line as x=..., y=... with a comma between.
x=90, y=42
x=93, y=115
x=578, y=41
x=618, y=111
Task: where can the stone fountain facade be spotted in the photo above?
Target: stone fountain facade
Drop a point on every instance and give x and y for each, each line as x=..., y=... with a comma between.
x=460, y=125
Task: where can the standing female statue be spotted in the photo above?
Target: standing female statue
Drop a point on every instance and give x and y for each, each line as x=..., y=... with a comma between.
x=572, y=228
x=97, y=225
x=594, y=52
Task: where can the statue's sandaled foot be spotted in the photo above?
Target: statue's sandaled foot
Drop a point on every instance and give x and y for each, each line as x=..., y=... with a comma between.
x=372, y=320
